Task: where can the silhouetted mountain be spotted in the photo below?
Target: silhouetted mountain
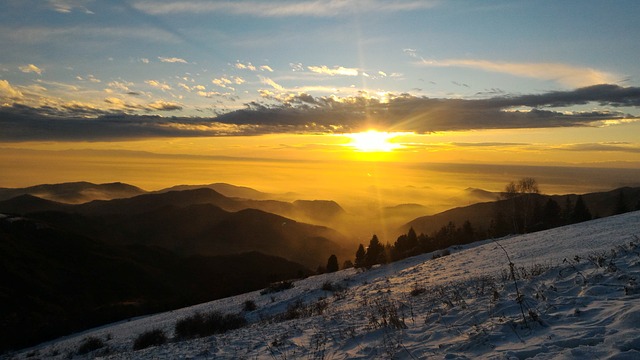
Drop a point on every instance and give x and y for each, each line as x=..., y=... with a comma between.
x=74, y=192
x=227, y=190
x=53, y=282
x=321, y=209
x=205, y=229
x=150, y=202
x=600, y=204
x=481, y=194
x=404, y=209
x=479, y=215
x=26, y=203
x=190, y=222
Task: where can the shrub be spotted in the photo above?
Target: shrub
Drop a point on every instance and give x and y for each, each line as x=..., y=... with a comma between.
x=90, y=344
x=149, y=338
x=189, y=327
x=199, y=325
x=417, y=290
x=249, y=305
x=328, y=286
x=277, y=287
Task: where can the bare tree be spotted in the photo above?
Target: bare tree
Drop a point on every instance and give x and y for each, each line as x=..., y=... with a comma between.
x=522, y=201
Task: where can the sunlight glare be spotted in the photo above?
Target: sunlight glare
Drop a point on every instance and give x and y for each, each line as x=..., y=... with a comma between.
x=373, y=141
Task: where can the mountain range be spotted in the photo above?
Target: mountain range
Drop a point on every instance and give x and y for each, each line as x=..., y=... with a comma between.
x=68, y=265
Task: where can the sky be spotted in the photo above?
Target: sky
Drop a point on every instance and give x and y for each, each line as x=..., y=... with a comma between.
x=263, y=93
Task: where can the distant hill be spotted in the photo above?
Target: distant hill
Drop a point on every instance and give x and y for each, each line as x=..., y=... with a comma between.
x=600, y=204
x=54, y=282
x=189, y=222
x=227, y=190
x=233, y=198
x=74, y=192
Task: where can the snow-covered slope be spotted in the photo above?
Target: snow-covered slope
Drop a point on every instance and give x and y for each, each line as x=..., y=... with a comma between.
x=575, y=296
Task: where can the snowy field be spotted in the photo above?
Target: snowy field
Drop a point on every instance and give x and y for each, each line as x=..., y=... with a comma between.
x=572, y=293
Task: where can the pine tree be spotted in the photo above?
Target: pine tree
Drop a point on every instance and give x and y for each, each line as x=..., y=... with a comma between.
x=621, y=206
x=580, y=212
x=332, y=264
x=375, y=252
x=360, y=257
x=551, y=214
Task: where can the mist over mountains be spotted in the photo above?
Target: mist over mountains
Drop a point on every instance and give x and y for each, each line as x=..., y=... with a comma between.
x=76, y=255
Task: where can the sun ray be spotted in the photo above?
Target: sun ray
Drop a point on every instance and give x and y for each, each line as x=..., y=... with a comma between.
x=373, y=141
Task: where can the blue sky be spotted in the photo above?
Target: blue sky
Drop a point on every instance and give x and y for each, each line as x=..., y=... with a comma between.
x=521, y=82
x=210, y=68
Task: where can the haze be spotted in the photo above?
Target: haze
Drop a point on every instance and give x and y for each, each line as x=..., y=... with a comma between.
x=269, y=94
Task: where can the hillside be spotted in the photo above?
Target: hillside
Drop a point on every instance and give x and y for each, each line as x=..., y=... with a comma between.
x=189, y=222
x=600, y=204
x=53, y=282
x=74, y=192
x=577, y=286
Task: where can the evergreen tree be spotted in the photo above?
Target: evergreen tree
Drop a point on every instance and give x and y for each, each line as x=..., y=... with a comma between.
x=567, y=214
x=360, y=257
x=467, y=233
x=621, y=206
x=412, y=241
x=580, y=212
x=332, y=264
x=375, y=252
x=551, y=214
x=348, y=264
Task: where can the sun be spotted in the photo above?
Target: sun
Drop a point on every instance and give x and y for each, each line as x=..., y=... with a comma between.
x=373, y=141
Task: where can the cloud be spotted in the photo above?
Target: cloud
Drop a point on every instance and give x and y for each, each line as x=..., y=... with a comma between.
x=303, y=113
x=172, y=60
x=404, y=112
x=8, y=92
x=281, y=8
x=608, y=147
x=24, y=123
x=247, y=66
x=120, y=85
x=567, y=75
x=273, y=84
x=165, y=105
x=67, y=6
x=337, y=70
x=31, y=69
x=226, y=83
x=159, y=85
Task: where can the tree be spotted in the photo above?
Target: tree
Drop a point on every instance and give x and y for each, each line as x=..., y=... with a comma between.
x=348, y=264
x=621, y=206
x=360, y=257
x=567, y=214
x=406, y=245
x=521, y=197
x=551, y=214
x=375, y=252
x=580, y=212
x=332, y=264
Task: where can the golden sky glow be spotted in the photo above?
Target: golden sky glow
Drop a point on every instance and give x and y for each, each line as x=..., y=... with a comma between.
x=203, y=91
x=373, y=141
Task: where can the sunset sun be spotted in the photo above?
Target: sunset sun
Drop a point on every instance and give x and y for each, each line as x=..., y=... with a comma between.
x=373, y=141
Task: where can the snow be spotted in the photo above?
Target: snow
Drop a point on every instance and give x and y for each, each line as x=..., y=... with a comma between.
x=577, y=287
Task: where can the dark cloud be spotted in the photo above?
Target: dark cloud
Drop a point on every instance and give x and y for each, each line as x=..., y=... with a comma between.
x=420, y=114
x=303, y=113
x=22, y=123
x=621, y=147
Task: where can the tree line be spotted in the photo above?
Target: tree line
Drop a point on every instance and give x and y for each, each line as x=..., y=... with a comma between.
x=520, y=209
